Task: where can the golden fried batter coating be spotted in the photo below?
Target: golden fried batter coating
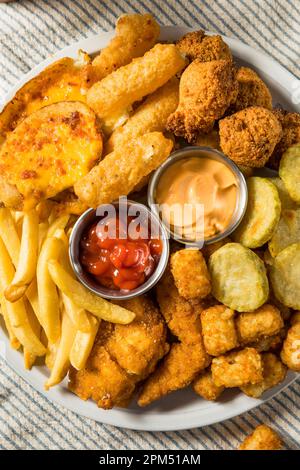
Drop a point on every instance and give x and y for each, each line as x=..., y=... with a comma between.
x=209, y=140
x=265, y=321
x=206, y=90
x=196, y=45
x=268, y=343
x=218, y=330
x=249, y=136
x=290, y=123
x=236, y=369
x=190, y=274
x=262, y=438
x=135, y=35
x=252, y=91
x=122, y=357
x=290, y=353
x=205, y=386
x=274, y=373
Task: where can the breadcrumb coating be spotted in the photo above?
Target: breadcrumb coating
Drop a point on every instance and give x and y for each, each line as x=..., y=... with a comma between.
x=196, y=45
x=290, y=353
x=262, y=438
x=205, y=386
x=237, y=368
x=249, y=136
x=290, y=123
x=252, y=91
x=190, y=274
x=218, y=329
x=274, y=373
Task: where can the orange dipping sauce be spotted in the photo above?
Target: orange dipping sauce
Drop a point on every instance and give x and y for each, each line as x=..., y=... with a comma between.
x=120, y=261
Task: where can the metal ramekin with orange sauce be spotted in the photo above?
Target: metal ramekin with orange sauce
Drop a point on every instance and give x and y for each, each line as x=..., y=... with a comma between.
x=199, y=194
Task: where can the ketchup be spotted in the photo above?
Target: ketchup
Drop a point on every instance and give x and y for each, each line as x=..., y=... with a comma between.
x=116, y=260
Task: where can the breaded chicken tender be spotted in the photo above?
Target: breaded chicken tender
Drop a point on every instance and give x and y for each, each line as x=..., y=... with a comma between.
x=262, y=438
x=290, y=123
x=237, y=368
x=122, y=357
x=274, y=373
x=150, y=116
x=205, y=386
x=252, y=91
x=249, y=136
x=290, y=354
x=120, y=171
x=196, y=45
x=135, y=35
x=265, y=321
x=130, y=83
x=205, y=92
x=190, y=274
x=218, y=330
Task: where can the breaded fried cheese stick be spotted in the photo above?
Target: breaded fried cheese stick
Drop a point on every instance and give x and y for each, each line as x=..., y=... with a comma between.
x=132, y=82
x=135, y=35
x=123, y=169
x=150, y=116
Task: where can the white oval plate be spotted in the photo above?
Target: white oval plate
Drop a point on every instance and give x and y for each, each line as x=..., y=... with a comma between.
x=183, y=409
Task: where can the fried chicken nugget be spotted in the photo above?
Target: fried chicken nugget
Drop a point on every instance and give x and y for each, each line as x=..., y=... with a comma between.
x=121, y=357
x=135, y=35
x=249, y=136
x=123, y=169
x=252, y=91
x=130, y=83
x=274, y=373
x=190, y=273
x=150, y=116
x=290, y=123
x=262, y=438
x=196, y=45
x=205, y=92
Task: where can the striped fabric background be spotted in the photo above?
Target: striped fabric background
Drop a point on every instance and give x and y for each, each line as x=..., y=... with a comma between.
x=30, y=30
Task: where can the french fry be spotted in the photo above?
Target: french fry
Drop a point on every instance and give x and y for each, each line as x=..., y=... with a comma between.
x=43, y=229
x=29, y=358
x=49, y=315
x=9, y=234
x=51, y=353
x=62, y=361
x=83, y=344
x=14, y=342
x=58, y=223
x=101, y=308
x=16, y=311
x=26, y=266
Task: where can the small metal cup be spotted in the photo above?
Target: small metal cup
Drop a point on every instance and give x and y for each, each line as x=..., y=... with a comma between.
x=200, y=152
x=84, y=221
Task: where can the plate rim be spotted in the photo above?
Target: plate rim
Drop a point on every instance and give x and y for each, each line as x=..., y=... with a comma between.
x=124, y=418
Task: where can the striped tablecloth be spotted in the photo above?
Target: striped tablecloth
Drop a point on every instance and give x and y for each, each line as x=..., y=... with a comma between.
x=31, y=30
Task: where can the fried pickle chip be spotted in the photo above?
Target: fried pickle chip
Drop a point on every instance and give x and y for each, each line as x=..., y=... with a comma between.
x=285, y=276
x=238, y=277
x=48, y=152
x=289, y=171
x=286, y=200
x=286, y=232
x=262, y=215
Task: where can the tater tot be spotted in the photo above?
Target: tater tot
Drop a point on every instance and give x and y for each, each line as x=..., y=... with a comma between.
x=274, y=373
x=268, y=343
x=190, y=274
x=218, y=329
x=150, y=116
x=265, y=321
x=120, y=171
x=238, y=368
x=262, y=438
x=205, y=386
x=132, y=82
x=290, y=353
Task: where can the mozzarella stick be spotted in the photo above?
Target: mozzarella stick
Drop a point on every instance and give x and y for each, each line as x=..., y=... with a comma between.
x=123, y=169
x=151, y=116
x=135, y=35
x=132, y=82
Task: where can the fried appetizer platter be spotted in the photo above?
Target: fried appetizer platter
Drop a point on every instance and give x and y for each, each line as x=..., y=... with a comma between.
x=85, y=132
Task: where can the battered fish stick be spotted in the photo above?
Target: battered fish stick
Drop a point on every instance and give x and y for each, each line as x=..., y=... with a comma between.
x=123, y=169
x=135, y=35
x=132, y=82
x=151, y=116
